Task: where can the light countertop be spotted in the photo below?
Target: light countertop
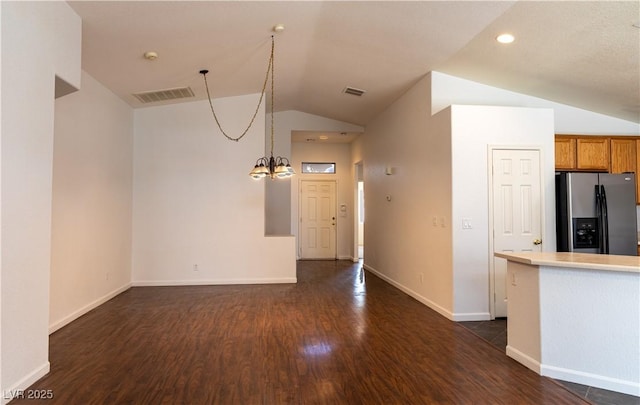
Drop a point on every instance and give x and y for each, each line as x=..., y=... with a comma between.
x=591, y=261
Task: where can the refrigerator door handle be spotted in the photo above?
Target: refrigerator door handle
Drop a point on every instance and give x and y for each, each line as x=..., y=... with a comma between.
x=599, y=216
x=605, y=220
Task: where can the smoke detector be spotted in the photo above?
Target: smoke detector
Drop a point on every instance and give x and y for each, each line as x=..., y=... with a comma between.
x=151, y=55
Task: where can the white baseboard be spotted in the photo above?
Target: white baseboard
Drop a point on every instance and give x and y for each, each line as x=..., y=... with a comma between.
x=442, y=311
x=456, y=317
x=18, y=389
x=471, y=316
x=169, y=283
x=592, y=380
x=526, y=360
x=92, y=305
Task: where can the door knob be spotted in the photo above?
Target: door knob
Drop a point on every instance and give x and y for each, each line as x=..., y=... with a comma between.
x=537, y=242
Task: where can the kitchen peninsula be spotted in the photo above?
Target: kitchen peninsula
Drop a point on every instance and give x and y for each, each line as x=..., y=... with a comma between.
x=576, y=317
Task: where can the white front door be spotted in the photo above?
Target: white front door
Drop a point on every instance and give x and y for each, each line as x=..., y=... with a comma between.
x=317, y=219
x=517, y=212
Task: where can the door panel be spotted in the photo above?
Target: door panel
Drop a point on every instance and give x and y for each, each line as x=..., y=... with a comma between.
x=517, y=206
x=620, y=191
x=317, y=220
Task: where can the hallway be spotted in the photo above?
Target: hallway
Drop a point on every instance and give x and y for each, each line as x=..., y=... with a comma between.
x=338, y=336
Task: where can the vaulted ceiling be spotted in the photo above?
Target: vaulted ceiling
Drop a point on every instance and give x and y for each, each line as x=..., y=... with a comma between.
x=583, y=54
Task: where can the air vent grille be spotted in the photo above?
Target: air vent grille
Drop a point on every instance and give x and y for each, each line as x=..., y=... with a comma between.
x=164, y=95
x=353, y=91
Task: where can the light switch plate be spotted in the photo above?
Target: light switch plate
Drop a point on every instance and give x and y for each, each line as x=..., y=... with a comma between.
x=466, y=223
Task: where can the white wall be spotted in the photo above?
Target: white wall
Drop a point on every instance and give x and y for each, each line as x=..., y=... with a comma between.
x=448, y=90
x=278, y=192
x=92, y=201
x=194, y=203
x=440, y=164
x=1, y=386
x=39, y=41
x=402, y=243
x=590, y=327
x=340, y=153
x=474, y=129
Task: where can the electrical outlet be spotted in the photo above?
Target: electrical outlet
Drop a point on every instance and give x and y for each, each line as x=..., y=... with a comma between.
x=195, y=267
x=466, y=223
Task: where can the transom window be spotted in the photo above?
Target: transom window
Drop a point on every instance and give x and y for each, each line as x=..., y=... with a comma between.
x=319, y=167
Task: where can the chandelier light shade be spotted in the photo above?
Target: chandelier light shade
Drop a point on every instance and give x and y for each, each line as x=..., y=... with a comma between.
x=277, y=167
x=272, y=167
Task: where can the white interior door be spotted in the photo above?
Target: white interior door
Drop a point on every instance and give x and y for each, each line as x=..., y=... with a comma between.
x=517, y=212
x=317, y=220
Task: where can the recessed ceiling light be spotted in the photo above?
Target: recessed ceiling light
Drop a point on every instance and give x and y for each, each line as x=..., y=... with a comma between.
x=505, y=38
x=323, y=137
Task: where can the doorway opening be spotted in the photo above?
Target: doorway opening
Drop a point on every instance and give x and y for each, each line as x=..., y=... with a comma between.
x=360, y=220
x=358, y=225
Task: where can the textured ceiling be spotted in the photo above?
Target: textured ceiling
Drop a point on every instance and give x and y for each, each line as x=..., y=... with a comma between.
x=584, y=54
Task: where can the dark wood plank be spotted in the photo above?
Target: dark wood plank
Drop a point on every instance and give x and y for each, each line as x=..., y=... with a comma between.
x=339, y=336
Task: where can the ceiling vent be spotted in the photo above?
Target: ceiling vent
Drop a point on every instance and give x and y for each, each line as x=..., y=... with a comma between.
x=353, y=91
x=164, y=95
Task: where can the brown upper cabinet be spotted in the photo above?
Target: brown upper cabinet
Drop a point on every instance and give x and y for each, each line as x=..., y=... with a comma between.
x=589, y=153
x=625, y=158
x=623, y=155
x=599, y=154
x=638, y=173
x=592, y=153
x=565, y=153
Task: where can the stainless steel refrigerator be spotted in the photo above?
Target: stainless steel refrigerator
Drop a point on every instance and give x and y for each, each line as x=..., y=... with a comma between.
x=596, y=213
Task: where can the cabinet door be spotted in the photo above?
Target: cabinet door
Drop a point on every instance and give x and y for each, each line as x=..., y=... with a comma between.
x=638, y=171
x=623, y=155
x=592, y=153
x=565, y=153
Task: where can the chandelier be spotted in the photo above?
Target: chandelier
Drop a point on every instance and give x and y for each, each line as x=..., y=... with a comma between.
x=273, y=167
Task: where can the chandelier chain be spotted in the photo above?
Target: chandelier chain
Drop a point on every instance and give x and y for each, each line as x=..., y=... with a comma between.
x=264, y=87
x=272, y=92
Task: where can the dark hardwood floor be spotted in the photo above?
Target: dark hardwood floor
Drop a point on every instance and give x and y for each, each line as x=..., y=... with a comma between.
x=495, y=332
x=338, y=336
